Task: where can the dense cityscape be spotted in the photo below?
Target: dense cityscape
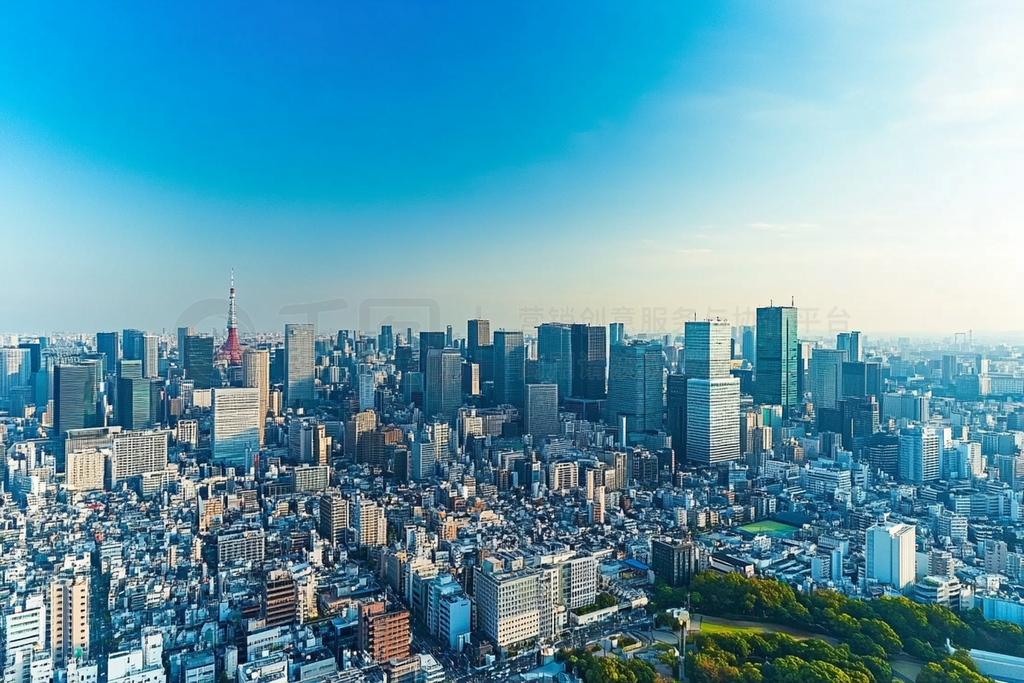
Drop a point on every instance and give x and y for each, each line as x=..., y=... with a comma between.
x=476, y=504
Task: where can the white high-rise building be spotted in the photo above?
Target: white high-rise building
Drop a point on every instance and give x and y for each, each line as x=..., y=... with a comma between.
x=827, y=377
x=542, y=410
x=508, y=605
x=137, y=452
x=921, y=452
x=15, y=370
x=150, y=362
x=299, y=364
x=256, y=375
x=712, y=394
x=236, y=425
x=891, y=554
x=712, y=420
x=370, y=523
x=367, y=388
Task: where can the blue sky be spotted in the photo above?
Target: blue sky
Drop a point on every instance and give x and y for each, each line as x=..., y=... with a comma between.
x=861, y=157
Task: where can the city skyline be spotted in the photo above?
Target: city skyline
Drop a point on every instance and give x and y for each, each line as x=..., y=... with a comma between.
x=711, y=158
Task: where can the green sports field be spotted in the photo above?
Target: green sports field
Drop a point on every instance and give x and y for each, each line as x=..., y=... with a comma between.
x=769, y=528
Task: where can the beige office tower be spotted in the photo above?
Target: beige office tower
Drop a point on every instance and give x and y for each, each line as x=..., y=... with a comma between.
x=256, y=375
x=69, y=620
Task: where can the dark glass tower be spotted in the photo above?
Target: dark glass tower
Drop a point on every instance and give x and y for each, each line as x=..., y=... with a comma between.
x=109, y=345
x=429, y=340
x=777, y=362
x=510, y=369
x=199, y=360
x=589, y=361
x=75, y=392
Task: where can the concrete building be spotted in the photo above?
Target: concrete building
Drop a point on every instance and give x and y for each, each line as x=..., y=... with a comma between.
x=890, y=554
x=235, y=435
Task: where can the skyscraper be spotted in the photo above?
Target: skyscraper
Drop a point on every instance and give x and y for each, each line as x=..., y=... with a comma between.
x=299, y=364
x=554, y=356
x=75, y=392
x=479, y=349
x=386, y=339
x=541, y=410
x=182, y=333
x=334, y=517
x=15, y=370
x=636, y=385
x=675, y=422
x=850, y=342
x=236, y=425
x=69, y=620
x=429, y=340
x=862, y=379
x=749, y=345
x=510, y=368
x=712, y=394
x=198, y=360
x=150, y=360
x=920, y=455
x=442, y=391
x=134, y=404
x=133, y=348
x=827, y=377
x=109, y=344
x=616, y=333
x=256, y=375
x=776, y=375
x=890, y=554
x=589, y=361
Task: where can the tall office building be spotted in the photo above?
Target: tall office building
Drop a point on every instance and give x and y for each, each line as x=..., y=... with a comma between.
x=712, y=394
x=369, y=522
x=706, y=349
x=509, y=369
x=827, y=377
x=109, y=344
x=133, y=347
x=75, y=394
x=850, y=342
x=334, y=517
x=541, y=418
x=478, y=333
x=198, y=360
x=674, y=562
x=675, y=421
x=508, y=605
x=386, y=339
x=712, y=420
x=150, y=359
x=442, y=391
x=920, y=455
x=891, y=554
x=429, y=340
x=256, y=375
x=299, y=365
x=616, y=333
x=236, y=420
x=15, y=370
x=280, y=599
x=182, y=333
x=589, y=362
x=554, y=356
x=748, y=342
x=804, y=358
x=134, y=403
x=479, y=348
x=133, y=453
x=69, y=620
x=862, y=379
x=776, y=374
x=636, y=385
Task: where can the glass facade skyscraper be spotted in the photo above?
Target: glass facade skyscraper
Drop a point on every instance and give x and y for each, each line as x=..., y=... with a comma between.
x=589, y=361
x=510, y=369
x=776, y=368
x=636, y=385
x=554, y=356
x=712, y=394
x=299, y=364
